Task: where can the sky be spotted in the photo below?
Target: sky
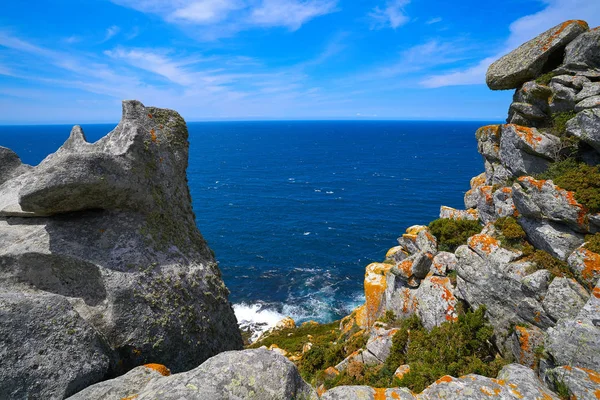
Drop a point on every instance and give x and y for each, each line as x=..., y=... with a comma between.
x=74, y=61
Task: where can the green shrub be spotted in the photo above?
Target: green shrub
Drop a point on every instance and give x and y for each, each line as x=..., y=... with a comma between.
x=544, y=260
x=592, y=242
x=545, y=79
x=510, y=229
x=580, y=178
x=293, y=339
x=562, y=390
x=452, y=233
x=388, y=318
x=559, y=122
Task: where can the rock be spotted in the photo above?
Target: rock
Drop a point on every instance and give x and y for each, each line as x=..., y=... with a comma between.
x=471, y=196
x=538, y=282
x=417, y=265
x=587, y=103
x=535, y=94
x=125, y=386
x=514, y=382
x=575, y=82
x=488, y=144
x=278, y=350
x=48, y=350
x=534, y=57
x=586, y=266
x=452, y=213
x=380, y=343
x=589, y=90
x=496, y=173
x=583, y=383
x=563, y=98
x=436, y=301
x=525, y=151
x=306, y=347
x=143, y=280
x=443, y=262
x=367, y=393
x=554, y=238
x=10, y=165
x=401, y=371
x=485, y=204
x=330, y=373
x=525, y=344
x=286, y=323
x=586, y=126
x=564, y=298
x=503, y=203
x=584, y=51
x=529, y=111
x=489, y=248
x=259, y=374
x=375, y=285
x=542, y=199
x=574, y=342
x=400, y=297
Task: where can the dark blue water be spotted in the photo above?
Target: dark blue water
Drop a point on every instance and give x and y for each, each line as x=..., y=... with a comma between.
x=296, y=210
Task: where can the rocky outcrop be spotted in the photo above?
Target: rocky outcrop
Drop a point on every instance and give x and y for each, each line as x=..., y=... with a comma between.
x=248, y=374
x=102, y=264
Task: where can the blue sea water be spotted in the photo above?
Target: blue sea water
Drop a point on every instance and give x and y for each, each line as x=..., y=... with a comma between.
x=296, y=210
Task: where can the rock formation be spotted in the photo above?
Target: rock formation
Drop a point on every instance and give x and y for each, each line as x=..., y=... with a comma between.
x=102, y=267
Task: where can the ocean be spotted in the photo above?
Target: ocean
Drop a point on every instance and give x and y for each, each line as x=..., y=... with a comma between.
x=295, y=210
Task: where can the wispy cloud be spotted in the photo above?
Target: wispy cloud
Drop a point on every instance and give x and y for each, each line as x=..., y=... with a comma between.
x=291, y=14
x=391, y=15
x=206, y=12
x=73, y=39
x=434, y=20
x=521, y=31
x=111, y=31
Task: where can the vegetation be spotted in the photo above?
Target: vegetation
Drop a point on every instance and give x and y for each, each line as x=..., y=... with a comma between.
x=592, y=243
x=293, y=339
x=559, y=121
x=578, y=177
x=544, y=260
x=563, y=390
x=545, y=79
x=455, y=349
x=510, y=231
x=452, y=233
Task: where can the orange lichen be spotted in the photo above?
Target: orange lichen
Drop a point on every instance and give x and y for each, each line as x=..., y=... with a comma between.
x=477, y=181
x=591, y=264
x=536, y=316
x=375, y=284
x=533, y=182
x=132, y=397
x=379, y=393
x=596, y=292
x=321, y=390
x=331, y=372
x=570, y=198
x=149, y=115
x=153, y=135
x=517, y=394
x=530, y=136
x=395, y=396
x=409, y=304
x=593, y=375
x=486, y=191
x=161, y=369
x=444, y=379
x=548, y=43
x=401, y=371
x=487, y=131
x=524, y=342
x=484, y=242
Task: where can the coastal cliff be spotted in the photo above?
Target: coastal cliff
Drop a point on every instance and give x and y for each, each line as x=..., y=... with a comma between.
x=500, y=300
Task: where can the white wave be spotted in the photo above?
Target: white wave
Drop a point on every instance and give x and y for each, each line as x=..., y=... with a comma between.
x=306, y=233
x=257, y=318
x=329, y=192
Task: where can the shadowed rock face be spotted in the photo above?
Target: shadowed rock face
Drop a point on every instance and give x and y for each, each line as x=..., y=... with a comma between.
x=104, y=234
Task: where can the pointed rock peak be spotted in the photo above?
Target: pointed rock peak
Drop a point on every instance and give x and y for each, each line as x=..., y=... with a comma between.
x=133, y=109
x=76, y=138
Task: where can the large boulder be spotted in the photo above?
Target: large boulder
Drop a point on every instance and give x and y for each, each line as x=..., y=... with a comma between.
x=109, y=229
x=584, y=51
x=367, y=393
x=531, y=59
x=583, y=383
x=586, y=126
x=248, y=374
x=526, y=150
x=554, y=238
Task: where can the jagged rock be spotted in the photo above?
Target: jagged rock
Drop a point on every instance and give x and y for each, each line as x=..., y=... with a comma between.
x=532, y=58
x=587, y=103
x=143, y=280
x=584, y=51
x=563, y=98
x=538, y=282
x=485, y=204
x=575, y=82
x=529, y=111
x=380, y=343
x=452, y=213
x=514, y=382
x=481, y=281
x=525, y=151
x=417, y=265
x=535, y=94
x=583, y=383
x=126, y=386
x=503, y=203
x=551, y=237
x=400, y=297
x=488, y=143
x=375, y=286
x=586, y=126
x=259, y=374
x=367, y=393
x=436, y=301
x=542, y=199
x=48, y=350
x=471, y=196
x=443, y=263
x=526, y=342
x=496, y=173
x=10, y=165
x=586, y=266
x=575, y=342
x=589, y=90
x=401, y=371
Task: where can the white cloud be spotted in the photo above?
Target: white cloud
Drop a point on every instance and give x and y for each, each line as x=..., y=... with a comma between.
x=521, y=31
x=207, y=11
x=73, y=39
x=111, y=32
x=392, y=14
x=434, y=21
x=290, y=13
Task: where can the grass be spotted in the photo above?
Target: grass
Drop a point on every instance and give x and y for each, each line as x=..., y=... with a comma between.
x=544, y=260
x=592, y=243
x=452, y=233
x=293, y=339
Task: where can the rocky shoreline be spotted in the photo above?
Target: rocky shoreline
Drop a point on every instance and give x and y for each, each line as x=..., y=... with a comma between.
x=105, y=274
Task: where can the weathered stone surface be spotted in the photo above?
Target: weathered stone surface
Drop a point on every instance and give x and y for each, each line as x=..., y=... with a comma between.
x=436, y=301
x=572, y=81
x=452, y=213
x=375, y=286
x=485, y=204
x=525, y=342
x=257, y=374
x=586, y=126
x=47, y=350
x=488, y=142
x=380, y=343
x=575, y=342
x=400, y=297
x=10, y=165
x=496, y=173
x=537, y=282
x=563, y=98
x=542, y=199
x=589, y=90
x=551, y=237
x=587, y=103
x=532, y=58
x=142, y=279
x=583, y=383
x=535, y=94
x=417, y=265
x=525, y=151
x=126, y=386
x=503, y=203
x=367, y=393
x=529, y=111
x=514, y=382
x=584, y=51
x=586, y=266
x=443, y=263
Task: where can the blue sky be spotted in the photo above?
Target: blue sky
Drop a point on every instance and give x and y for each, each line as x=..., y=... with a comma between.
x=67, y=61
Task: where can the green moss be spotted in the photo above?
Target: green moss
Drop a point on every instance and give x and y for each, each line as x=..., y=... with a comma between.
x=452, y=233
x=592, y=243
x=511, y=235
x=545, y=79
